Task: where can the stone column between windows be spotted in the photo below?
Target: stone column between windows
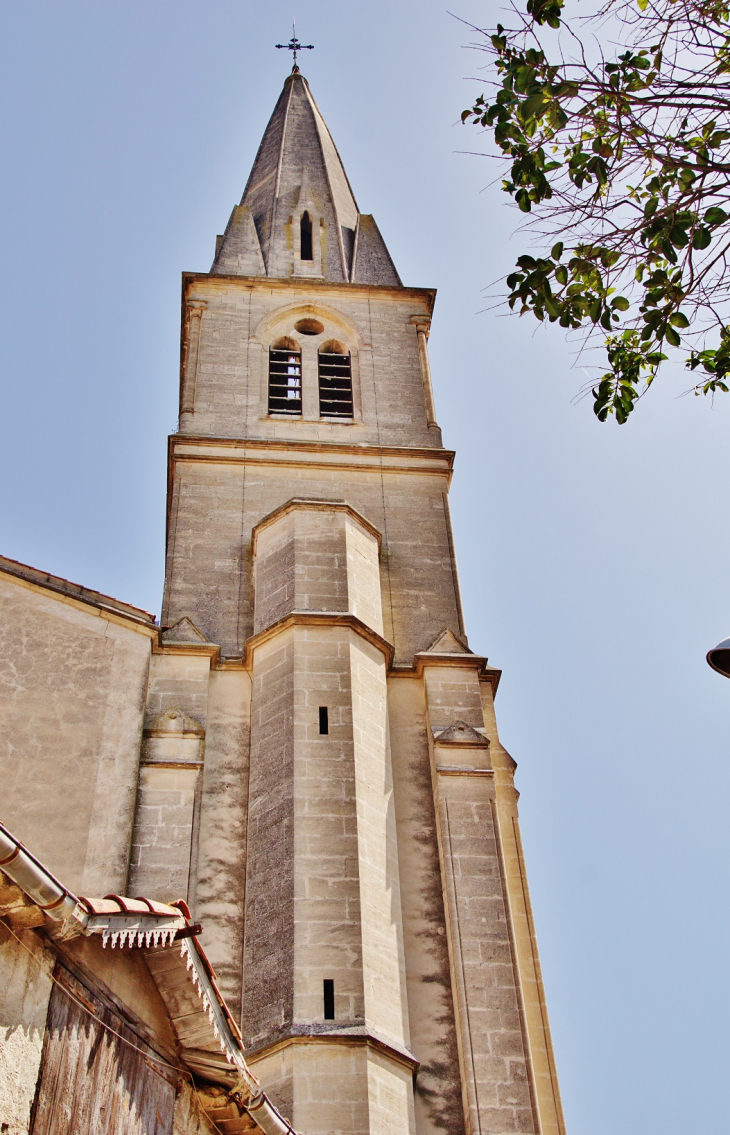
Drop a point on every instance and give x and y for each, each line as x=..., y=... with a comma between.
x=310, y=380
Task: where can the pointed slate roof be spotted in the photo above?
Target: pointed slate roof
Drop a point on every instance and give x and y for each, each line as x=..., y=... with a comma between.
x=297, y=167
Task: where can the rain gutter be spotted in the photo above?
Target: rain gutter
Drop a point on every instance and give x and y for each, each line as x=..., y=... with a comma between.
x=39, y=884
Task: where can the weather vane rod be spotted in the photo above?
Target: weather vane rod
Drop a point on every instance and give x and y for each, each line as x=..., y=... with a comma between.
x=295, y=46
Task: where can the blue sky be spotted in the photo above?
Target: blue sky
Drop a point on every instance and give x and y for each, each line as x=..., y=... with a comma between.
x=593, y=558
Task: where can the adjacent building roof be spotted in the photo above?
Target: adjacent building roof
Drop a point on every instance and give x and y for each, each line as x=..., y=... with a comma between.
x=74, y=590
x=209, y=1039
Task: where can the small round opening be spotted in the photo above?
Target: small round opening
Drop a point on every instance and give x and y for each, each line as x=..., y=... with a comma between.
x=309, y=327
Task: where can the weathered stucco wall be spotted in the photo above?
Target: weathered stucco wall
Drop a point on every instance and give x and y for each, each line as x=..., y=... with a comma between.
x=72, y=690
x=25, y=982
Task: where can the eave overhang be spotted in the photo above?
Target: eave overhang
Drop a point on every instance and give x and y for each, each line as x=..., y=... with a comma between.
x=209, y=1041
x=77, y=595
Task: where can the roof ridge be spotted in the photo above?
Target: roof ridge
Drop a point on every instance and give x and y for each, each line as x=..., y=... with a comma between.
x=277, y=183
x=321, y=125
x=74, y=590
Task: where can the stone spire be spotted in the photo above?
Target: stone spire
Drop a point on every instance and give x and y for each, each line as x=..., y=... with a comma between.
x=298, y=186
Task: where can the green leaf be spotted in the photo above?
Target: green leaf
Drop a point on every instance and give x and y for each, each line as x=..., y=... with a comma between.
x=715, y=215
x=702, y=238
x=557, y=250
x=679, y=319
x=672, y=337
x=620, y=303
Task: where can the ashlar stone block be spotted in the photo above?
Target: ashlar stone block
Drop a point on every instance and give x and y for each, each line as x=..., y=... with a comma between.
x=316, y=556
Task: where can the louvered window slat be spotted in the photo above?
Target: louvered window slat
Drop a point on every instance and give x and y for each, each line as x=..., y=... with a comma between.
x=335, y=385
x=285, y=382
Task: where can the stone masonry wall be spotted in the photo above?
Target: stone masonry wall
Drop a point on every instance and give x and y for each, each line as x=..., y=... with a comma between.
x=209, y=556
x=437, y=1088
x=496, y=1084
x=242, y=318
x=386, y=1007
x=268, y=966
x=221, y=858
x=327, y=914
x=344, y=914
x=493, y=1049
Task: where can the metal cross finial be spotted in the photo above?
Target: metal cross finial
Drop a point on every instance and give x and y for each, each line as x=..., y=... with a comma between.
x=295, y=46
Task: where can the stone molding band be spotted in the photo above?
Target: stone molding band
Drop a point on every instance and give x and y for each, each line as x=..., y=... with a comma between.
x=317, y=619
x=314, y=505
x=356, y=1038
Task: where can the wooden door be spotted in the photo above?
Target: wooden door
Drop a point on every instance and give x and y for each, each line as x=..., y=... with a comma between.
x=91, y=1079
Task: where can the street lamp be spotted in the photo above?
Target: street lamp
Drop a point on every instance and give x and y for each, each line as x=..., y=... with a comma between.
x=719, y=657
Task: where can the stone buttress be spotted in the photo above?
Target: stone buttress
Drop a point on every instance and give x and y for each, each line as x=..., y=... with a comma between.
x=321, y=773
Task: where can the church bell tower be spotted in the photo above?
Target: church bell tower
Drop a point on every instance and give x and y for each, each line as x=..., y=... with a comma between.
x=323, y=777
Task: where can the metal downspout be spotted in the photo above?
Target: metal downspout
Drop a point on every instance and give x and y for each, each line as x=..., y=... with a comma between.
x=266, y=1116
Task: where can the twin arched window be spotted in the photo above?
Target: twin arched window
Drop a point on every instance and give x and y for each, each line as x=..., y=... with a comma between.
x=334, y=371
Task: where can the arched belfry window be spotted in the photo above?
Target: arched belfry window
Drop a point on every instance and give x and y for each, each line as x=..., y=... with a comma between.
x=285, y=377
x=306, y=251
x=335, y=381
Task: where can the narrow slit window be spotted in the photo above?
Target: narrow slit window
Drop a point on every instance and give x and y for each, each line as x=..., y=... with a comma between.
x=285, y=378
x=329, y=999
x=335, y=381
x=324, y=719
x=305, y=237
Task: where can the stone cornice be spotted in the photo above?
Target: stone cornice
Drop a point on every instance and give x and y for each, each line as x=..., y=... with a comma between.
x=463, y=770
x=316, y=619
x=431, y=658
x=317, y=454
x=315, y=506
x=210, y=650
x=343, y=1035
x=304, y=285
x=279, y=453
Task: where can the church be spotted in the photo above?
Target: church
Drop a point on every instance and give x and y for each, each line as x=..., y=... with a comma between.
x=260, y=860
